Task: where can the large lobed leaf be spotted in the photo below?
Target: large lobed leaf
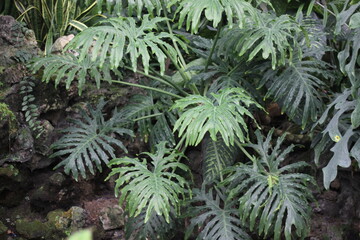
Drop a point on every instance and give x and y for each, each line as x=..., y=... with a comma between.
x=224, y=113
x=217, y=216
x=213, y=10
x=154, y=186
x=271, y=36
x=216, y=157
x=88, y=142
x=298, y=88
x=70, y=68
x=116, y=37
x=273, y=198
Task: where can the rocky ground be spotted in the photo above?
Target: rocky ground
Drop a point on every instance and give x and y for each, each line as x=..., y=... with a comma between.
x=37, y=202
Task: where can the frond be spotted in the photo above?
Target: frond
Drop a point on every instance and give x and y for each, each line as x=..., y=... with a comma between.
x=152, y=186
x=272, y=198
x=71, y=68
x=143, y=109
x=341, y=134
x=216, y=216
x=87, y=142
x=153, y=7
x=298, y=88
x=155, y=228
x=191, y=11
x=216, y=157
x=224, y=113
x=117, y=37
x=272, y=36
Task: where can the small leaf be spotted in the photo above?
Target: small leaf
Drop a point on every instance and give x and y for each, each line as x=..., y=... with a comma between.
x=355, y=20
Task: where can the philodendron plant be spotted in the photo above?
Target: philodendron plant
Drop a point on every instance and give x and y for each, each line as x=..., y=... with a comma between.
x=207, y=65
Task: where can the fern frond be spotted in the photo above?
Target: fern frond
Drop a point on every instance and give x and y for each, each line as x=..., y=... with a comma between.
x=272, y=36
x=216, y=157
x=116, y=37
x=224, y=113
x=154, y=185
x=70, y=68
x=273, y=198
x=88, y=143
x=213, y=11
x=217, y=216
x=297, y=87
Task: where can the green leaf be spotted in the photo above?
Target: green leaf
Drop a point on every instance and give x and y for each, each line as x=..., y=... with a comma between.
x=355, y=115
x=153, y=186
x=117, y=37
x=224, y=113
x=68, y=66
x=216, y=157
x=355, y=21
x=274, y=198
x=88, y=142
x=214, y=214
x=213, y=11
x=81, y=235
x=297, y=87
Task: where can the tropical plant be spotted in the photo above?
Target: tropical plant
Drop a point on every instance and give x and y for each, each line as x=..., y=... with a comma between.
x=203, y=86
x=270, y=194
x=154, y=185
x=88, y=141
x=217, y=216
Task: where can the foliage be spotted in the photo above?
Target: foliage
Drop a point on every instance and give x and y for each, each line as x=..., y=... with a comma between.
x=69, y=67
x=342, y=130
x=216, y=157
x=88, y=141
x=297, y=87
x=29, y=107
x=154, y=185
x=122, y=36
x=155, y=228
x=213, y=10
x=270, y=194
x=223, y=113
x=216, y=216
x=52, y=18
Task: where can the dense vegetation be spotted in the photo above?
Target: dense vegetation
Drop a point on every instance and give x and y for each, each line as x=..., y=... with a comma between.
x=209, y=67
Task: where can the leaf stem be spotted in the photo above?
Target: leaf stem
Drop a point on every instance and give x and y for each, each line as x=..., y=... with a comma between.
x=145, y=87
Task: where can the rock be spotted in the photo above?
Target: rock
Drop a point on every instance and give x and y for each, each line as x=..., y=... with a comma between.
x=32, y=229
x=58, y=219
x=60, y=43
x=112, y=217
x=11, y=172
x=57, y=179
x=77, y=216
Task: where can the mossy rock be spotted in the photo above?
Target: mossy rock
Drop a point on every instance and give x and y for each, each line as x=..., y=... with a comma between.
x=33, y=229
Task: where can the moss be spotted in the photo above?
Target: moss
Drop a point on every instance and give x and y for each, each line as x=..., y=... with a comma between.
x=7, y=115
x=32, y=229
x=11, y=172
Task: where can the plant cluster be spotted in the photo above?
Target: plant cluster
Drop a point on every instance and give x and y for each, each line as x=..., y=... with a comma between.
x=226, y=59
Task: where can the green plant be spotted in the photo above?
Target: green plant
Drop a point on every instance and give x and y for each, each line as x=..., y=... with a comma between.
x=88, y=142
x=217, y=216
x=7, y=115
x=205, y=87
x=154, y=185
x=271, y=195
x=29, y=107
